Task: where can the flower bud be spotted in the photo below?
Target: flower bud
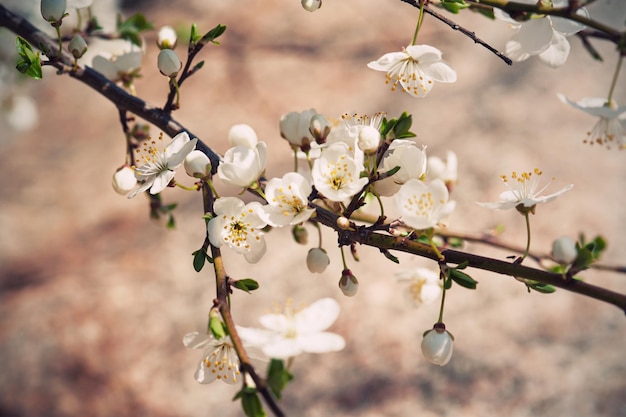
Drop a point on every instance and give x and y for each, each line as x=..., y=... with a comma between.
x=369, y=139
x=343, y=222
x=124, y=180
x=197, y=164
x=317, y=260
x=53, y=10
x=348, y=284
x=300, y=234
x=166, y=39
x=564, y=250
x=77, y=46
x=319, y=128
x=294, y=126
x=242, y=135
x=169, y=63
x=311, y=5
x=437, y=345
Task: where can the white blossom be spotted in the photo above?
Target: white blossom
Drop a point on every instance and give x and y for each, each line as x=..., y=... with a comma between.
x=220, y=361
x=293, y=332
x=239, y=226
x=564, y=250
x=77, y=46
x=423, y=206
x=242, y=135
x=424, y=285
x=53, y=10
x=287, y=199
x=311, y=5
x=295, y=128
x=415, y=69
x=317, y=260
x=166, y=38
x=242, y=166
x=124, y=180
x=336, y=174
x=117, y=68
x=445, y=170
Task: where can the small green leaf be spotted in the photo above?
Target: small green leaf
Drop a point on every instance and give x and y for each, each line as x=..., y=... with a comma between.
x=540, y=287
x=199, y=257
x=389, y=256
x=401, y=129
x=132, y=27
x=194, y=36
x=213, y=34
x=171, y=222
x=247, y=285
x=29, y=62
x=277, y=377
x=250, y=402
x=463, y=279
x=453, y=6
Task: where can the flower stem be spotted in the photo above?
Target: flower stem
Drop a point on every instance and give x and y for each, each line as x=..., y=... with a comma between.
x=58, y=29
x=419, y=22
x=615, y=77
x=444, y=275
x=343, y=258
x=527, y=250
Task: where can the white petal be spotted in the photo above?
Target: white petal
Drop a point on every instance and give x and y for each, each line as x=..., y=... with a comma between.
x=161, y=181
x=557, y=52
x=282, y=349
x=175, y=160
x=535, y=35
x=439, y=71
x=385, y=62
x=321, y=342
x=276, y=322
x=227, y=205
x=195, y=340
x=424, y=53
x=203, y=374
x=105, y=67
x=318, y=316
x=257, y=250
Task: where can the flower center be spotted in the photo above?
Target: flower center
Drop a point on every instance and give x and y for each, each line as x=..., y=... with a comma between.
x=338, y=174
x=238, y=231
x=288, y=202
x=150, y=157
x=524, y=183
x=223, y=362
x=422, y=205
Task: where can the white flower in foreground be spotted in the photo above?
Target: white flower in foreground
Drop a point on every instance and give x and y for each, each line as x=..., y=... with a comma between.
x=544, y=36
x=564, y=250
x=295, y=128
x=349, y=129
x=294, y=332
x=242, y=135
x=242, y=166
x=445, y=170
x=611, y=125
x=220, y=361
x=424, y=285
x=311, y=5
x=336, y=174
x=118, y=68
x=156, y=165
x=523, y=193
x=415, y=68
x=287, y=199
x=238, y=225
x=423, y=206
x=438, y=345
x=124, y=180
x=369, y=140
x=409, y=157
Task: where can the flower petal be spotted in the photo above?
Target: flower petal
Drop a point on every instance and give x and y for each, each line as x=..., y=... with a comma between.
x=387, y=61
x=535, y=35
x=161, y=181
x=318, y=316
x=321, y=342
x=557, y=53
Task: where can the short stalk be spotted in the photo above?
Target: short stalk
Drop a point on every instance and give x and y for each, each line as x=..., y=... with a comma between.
x=615, y=77
x=527, y=250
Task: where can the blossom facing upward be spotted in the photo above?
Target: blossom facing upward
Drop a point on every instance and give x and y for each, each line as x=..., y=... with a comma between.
x=242, y=165
x=522, y=192
x=220, y=362
x=238, y=225
x=293, y=332
x=415, y=69
x=544, y=36
x=423, y=206
x=287, y=199
x=611, y=125
x=156, y=165
x=336, y=174
x=424, y=285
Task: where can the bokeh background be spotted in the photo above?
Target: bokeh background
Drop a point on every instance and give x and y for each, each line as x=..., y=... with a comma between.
x=95, y=297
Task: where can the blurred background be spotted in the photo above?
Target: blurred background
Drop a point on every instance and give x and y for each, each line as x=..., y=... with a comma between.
x=95, y=297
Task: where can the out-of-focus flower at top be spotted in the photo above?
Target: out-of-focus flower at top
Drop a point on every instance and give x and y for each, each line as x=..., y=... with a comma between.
x=220, y=361
x=293, y=332
x=544, y=36
x=445, y=170
x=423, y=206
x=156, y=164
x=522, y=192
x=166, y=39
x=287, y=199
x=336, y=174
x=415, y=69
x=424, y=285
x=242, y=166
x=19, y=111
x=238, y=225
x=611, y=125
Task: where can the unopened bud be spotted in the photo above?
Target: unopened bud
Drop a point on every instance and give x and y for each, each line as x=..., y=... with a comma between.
x=319, y=128
x=343, y=223
x=168, y=62
x=369, y=140
x=311, y=5
x=564, y=250
x=300, y=234
x=53, y=10
x=124, y=180
x=348, y=284
x=437, y=345
x=77, y=46
x=166, y=39
x=317, y=260
x=242, y=135
x=197, y=164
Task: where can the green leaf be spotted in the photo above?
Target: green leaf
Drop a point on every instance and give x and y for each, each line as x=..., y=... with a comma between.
x=199, y=257
x=194, y=36
x=463, y=279
x=540, y=287
x=277, y=377
x=29, y=62
x=389, y=256
x=250, y=402
x=216, y=326
x=401, y=129
x=247, y=284
x=132, y=27
x=213, y=34
x=453, y=6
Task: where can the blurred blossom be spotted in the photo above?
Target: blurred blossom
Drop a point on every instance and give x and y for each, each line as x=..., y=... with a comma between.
x=523, y=193
x=544, y=36
x=445, y=170
x=124, y=180
x=311, y=5
x=293, y=332
x=20, y=112
x=609, y=12
x=53, y=10
x=78, y=4
x=611, y=125
x=415, y=69
x=118, y=68
x=424, y=285
x=220, y=361
x=166, y=38
x=564, y=250
x=423, y=206
x=239, y=226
